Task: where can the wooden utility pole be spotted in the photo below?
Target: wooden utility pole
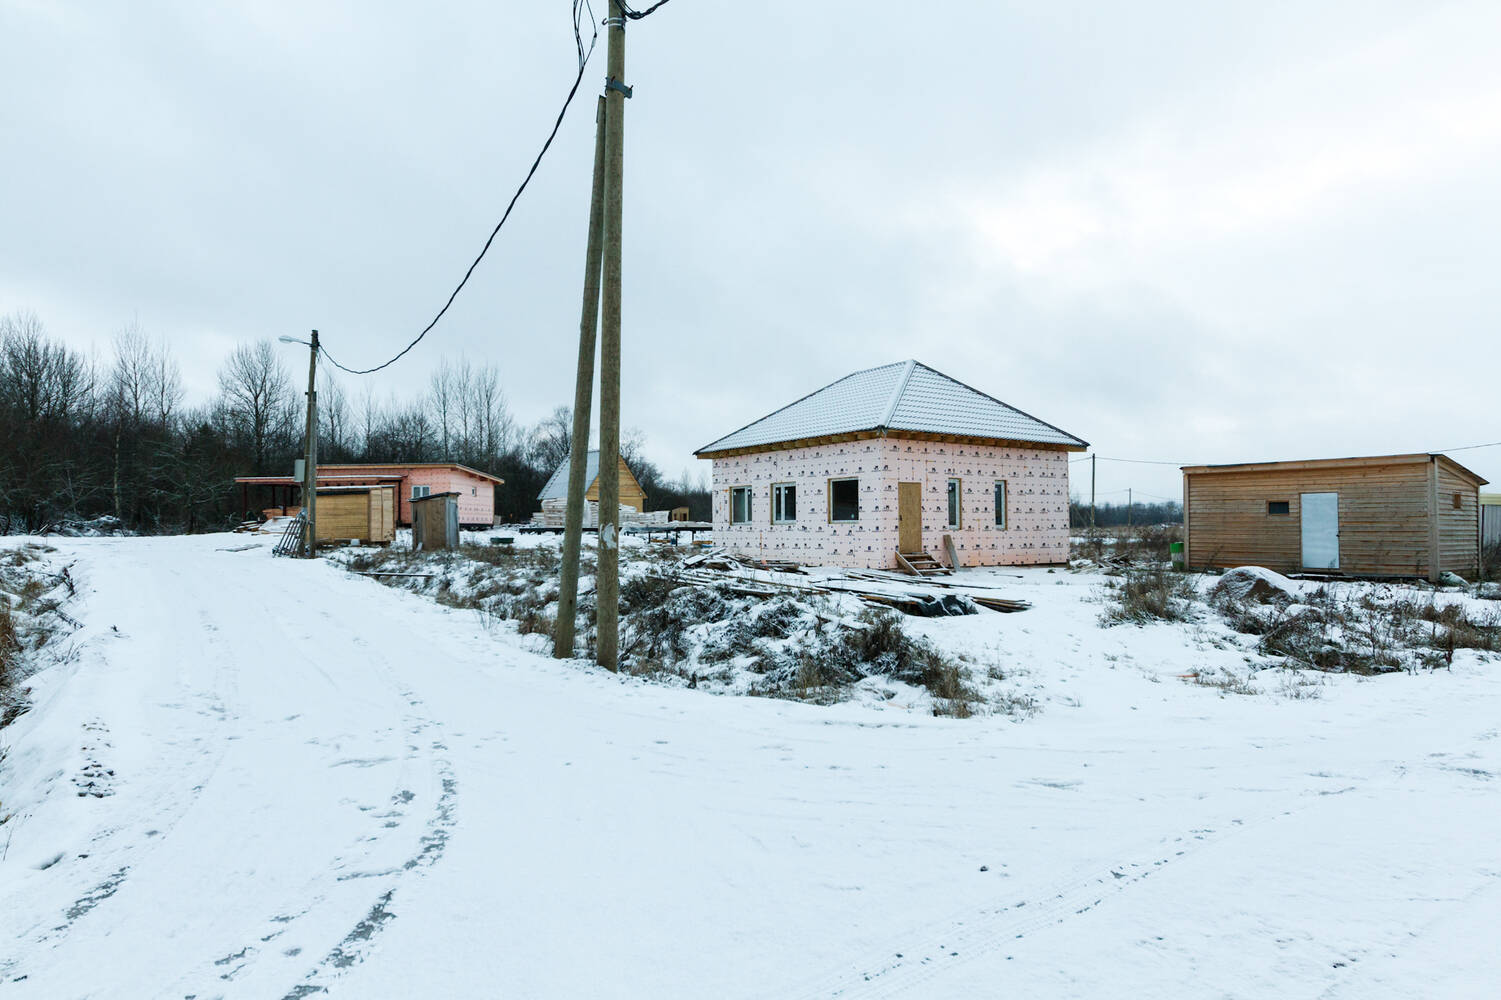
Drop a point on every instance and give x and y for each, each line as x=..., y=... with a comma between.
x=607, y=573
x=1130, y=507
x=583, y=397
x=310, y=461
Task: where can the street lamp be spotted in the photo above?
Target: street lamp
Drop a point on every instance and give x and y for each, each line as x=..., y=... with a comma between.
x=310, y=461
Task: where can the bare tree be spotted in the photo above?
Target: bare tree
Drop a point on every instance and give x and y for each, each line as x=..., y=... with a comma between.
x=333, y=417
x=440, y=394
x=550, y=438
x=257, y=393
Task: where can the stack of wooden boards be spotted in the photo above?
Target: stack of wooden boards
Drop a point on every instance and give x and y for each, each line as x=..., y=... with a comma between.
x=554, y=514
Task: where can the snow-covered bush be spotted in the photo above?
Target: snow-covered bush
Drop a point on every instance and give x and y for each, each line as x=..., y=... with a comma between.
x=1147, y=595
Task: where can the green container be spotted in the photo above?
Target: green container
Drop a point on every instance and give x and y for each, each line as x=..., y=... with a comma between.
x=1175, y=550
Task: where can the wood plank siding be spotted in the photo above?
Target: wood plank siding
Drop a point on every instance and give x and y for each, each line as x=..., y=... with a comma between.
x=1458, y=526
x=1386, y=514
x=631, y=493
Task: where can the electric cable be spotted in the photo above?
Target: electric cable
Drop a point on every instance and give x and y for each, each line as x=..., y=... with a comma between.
x=579, y=6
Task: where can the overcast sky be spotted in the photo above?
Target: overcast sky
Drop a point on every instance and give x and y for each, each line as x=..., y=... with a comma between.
x=1185, y=232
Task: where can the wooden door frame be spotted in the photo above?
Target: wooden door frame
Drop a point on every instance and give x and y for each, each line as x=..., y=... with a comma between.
x=918, y=486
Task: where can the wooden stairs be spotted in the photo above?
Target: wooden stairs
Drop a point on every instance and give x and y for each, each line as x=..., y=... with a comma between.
x=921, y=564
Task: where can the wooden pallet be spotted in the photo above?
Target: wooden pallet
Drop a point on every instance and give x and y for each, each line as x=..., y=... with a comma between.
x=921, y=564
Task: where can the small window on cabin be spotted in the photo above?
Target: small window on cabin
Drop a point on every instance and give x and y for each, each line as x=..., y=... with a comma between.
x=956, y=512
x=474, y=491
x=421, y=491
x=1459, y=500
x=740, y=505
x=1000, y=503
x=784, y=503
x=1274, y=507
x=844, y=500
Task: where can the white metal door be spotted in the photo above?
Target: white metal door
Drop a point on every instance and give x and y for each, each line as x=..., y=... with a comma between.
x=1320, y=530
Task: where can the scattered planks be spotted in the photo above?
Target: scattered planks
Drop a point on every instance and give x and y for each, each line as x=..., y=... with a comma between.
x=712, y=571
x=1001, y=604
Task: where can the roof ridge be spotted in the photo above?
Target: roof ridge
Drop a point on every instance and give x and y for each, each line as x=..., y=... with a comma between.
x=1002, y=402
x=898, y=392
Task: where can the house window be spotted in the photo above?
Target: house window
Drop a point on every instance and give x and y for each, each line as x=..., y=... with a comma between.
x=421, y=491
x=783, y=503
x=956, y=514
x=1459, y=501
x=844, y=499
x=1000, y=503
x=740, y=505
x=1274, y=507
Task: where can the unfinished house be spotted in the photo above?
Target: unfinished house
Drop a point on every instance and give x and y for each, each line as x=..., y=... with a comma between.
x=554, y=495
x=888, y=464
x=1391, y=515
x=475, y=489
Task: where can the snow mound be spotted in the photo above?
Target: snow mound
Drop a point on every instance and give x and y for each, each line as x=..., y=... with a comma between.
x=1254, y=583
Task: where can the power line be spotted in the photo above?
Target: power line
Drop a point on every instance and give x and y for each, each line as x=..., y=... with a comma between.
x=1472, y=447
x=579, y=6
x=636, y=15
x=1132, y=461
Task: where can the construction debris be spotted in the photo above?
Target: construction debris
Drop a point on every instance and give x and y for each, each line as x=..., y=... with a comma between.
x=741, y=575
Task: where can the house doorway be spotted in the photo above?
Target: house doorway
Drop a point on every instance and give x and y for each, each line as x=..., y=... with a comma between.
x=1320, y=516
x=909, y=517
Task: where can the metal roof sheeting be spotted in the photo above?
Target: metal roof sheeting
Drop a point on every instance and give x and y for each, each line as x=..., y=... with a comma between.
x=905, y=396
x=557, y=485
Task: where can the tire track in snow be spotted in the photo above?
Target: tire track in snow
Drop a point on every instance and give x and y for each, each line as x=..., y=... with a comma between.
x=357, y=944
x=970, y=934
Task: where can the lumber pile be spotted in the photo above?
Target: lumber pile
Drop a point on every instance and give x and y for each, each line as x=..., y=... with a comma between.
x=737, y=574
x=554, y=514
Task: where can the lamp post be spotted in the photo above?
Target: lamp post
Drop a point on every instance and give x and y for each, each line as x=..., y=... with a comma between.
x=310, y=443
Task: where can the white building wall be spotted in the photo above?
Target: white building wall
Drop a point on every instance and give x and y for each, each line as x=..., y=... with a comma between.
x=1037, y=490
x=1036, y=480
x=813, y=540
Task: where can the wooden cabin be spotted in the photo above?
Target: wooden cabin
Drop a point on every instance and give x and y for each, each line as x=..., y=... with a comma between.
x=474, y=489
x=631, y=493
x=364, y=514
x=889, y=463
x=1387, y=516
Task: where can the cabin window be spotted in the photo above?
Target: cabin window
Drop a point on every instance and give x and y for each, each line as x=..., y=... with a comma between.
x=1278, y=507
x=1459, y=500
x=956, y=513
x=844, y=499
x=421, y=491
x=1000, y=503
x=740, y=505
x=783, y=503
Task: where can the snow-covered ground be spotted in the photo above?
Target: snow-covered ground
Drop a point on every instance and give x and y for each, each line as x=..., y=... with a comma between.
x=321, y=783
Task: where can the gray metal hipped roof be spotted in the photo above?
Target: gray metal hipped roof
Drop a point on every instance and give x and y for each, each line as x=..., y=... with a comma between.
x=557, y=486
x=905, y=396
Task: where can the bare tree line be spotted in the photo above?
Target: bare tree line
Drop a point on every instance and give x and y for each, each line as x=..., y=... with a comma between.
x=83, y=437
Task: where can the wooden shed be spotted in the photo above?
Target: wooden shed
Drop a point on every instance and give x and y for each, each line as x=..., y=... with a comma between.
x=1391, y=516
x=435, y=522
x=365, y=514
